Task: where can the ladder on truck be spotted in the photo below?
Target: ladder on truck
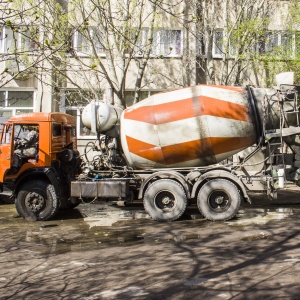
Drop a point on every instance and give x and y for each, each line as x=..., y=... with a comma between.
x=274, y=139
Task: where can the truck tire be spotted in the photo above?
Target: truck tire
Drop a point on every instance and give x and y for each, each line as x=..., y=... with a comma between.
x=37, y=201
x=219, y=200
x=165, y=200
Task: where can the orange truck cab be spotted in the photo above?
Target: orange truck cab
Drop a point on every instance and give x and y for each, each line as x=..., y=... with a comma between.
x=38, y=160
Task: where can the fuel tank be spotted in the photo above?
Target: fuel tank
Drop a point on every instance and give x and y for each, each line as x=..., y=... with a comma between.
x=189, y=127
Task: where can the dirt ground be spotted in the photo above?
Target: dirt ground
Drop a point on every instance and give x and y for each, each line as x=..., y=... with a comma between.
x=102, y=251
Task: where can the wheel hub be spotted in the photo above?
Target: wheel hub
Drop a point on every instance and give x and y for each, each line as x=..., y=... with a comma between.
x=219, y=201
x=34, y=201
x=165, y=201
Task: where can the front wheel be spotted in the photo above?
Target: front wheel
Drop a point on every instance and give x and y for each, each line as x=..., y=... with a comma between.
x=219, y=200
x=37, y=200
x=165, y=200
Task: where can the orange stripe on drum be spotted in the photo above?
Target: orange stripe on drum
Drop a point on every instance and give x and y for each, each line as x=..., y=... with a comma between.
x=188, y=108
x=178, y=153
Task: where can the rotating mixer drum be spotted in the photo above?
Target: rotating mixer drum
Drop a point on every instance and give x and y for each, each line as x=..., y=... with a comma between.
x=189, y=127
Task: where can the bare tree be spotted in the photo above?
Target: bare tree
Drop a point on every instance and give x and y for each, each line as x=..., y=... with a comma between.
x=115, y=40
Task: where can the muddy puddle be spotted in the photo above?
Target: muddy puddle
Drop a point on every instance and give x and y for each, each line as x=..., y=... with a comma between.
x=263, y=215
x=97, y=226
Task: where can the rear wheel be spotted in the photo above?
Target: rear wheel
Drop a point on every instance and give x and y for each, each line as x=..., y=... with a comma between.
x=219, y=200
x=37, y=200
x=165, y=200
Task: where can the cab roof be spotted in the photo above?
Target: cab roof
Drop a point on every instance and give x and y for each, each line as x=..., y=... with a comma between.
x=33, y=117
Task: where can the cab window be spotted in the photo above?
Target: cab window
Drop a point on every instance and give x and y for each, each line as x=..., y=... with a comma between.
x=5, y=133
x=56, y=130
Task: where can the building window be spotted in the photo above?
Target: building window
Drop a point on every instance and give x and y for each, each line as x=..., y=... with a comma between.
x=279, y=43
x=20, y=38
x=88, y=42
x=72, y=102
x=167, y=43
x=129, y=96
x=218, y=44
x=76, y=97
x=16, y=102
x=275, y=42
x=142, y=41
x=82, y=131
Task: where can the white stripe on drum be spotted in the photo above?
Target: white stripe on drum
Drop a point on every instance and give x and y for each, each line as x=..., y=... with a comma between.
x=186, y=130
x=195, y=91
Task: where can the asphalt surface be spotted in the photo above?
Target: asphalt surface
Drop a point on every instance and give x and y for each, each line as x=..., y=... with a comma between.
x=102, y=251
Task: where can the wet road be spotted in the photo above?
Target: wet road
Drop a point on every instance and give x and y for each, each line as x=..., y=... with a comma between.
x=102, y=251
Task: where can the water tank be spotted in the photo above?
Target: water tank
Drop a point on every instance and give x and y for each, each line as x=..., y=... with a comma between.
x=101, y=117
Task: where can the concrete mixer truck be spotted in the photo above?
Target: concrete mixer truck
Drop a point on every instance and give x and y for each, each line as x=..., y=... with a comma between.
x=206, y=145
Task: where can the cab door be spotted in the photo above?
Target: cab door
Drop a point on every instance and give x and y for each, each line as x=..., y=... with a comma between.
x=5, y=149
